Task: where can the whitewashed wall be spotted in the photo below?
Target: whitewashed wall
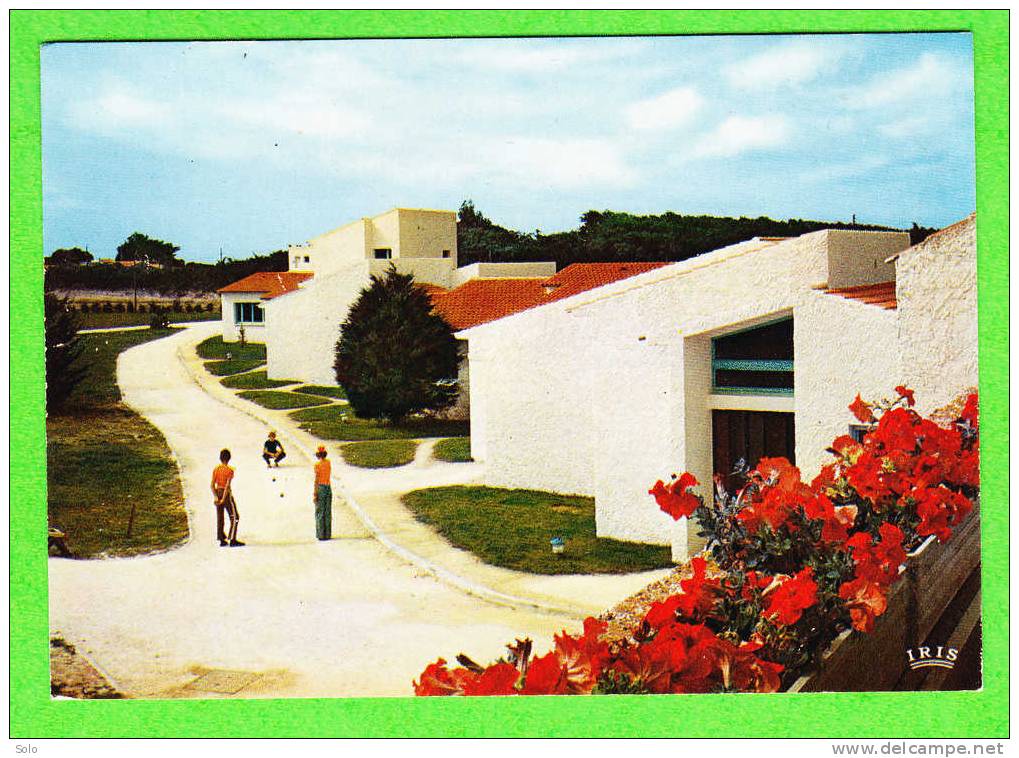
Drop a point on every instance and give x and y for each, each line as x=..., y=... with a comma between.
x=937, y=294
x=304, y=325
x=252, y=332
x=842, y=347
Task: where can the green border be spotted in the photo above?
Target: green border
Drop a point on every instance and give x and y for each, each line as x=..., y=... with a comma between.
x=980, y=714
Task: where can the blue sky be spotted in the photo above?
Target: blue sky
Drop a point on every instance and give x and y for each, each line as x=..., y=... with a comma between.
x=249, y=146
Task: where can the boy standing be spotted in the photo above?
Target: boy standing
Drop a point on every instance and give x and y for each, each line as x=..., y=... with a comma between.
x=222, y=491
x=323, y=495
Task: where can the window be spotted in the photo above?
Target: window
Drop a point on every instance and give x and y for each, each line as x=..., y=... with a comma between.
x=248, y=313
x=383, y=253
x=445, y=254
x=307, y=259
x=859, y=431
x=756, y=361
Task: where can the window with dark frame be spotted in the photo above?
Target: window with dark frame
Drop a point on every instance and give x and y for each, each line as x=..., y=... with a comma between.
x=756, y=361
x=248, y=313
x=383, y=253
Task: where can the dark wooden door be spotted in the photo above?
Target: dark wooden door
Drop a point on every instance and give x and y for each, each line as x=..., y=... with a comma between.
x=750, y=435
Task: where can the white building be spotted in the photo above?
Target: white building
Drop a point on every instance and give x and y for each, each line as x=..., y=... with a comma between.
x=755, y=349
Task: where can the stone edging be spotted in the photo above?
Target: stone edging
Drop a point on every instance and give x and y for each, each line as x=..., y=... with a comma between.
x=456, y=581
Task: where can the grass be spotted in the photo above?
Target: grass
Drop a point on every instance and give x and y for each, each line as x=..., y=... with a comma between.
x=89, y=320
x=319, y=389
x=103, y=458
x=339, y=423
x=453, y=450
x=233, y=366
x=512, y=529
x=379, y=453
x=255, y=380
x=215, y=349
x=275, y=400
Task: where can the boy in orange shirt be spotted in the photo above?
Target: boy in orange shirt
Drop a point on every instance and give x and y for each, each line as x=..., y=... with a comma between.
x=323, y=495
x=222, y=490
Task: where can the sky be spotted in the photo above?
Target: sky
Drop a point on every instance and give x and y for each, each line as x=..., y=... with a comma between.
x=236, y=148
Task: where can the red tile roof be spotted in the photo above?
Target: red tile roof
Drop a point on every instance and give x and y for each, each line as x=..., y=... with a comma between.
x=479, y=301
x=580, y=277
x=269, y=283
x=882, y=295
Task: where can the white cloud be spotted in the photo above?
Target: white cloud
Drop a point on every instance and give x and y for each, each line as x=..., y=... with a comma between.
x=930, y=77
x=118, y=109
x=906, y=127
x=740, y=134
x=299, y=115
x=783, y=66
x=557, y=163
x=529, y=58
x=666, y=111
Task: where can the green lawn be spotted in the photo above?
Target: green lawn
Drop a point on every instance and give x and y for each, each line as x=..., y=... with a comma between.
x=275, y=400
x=233, y=366
x=379, y=453
x=453, y=450
x=89, y=320
x=339, y=423
x=512, y=529
x=215, y=349
x=318, y=389
x=255, y=380
x=103, y=459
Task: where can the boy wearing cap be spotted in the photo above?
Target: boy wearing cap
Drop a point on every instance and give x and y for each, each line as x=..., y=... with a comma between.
x=323, y=495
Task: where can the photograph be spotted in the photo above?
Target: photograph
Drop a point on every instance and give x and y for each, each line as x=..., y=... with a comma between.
x=387, y=366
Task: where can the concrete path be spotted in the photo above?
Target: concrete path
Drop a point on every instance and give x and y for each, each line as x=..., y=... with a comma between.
x=283, y=616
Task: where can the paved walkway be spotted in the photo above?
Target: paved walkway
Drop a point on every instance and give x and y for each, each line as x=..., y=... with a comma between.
x=289, y=616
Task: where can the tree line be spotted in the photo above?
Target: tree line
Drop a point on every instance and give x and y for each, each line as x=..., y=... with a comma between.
x=612, y=236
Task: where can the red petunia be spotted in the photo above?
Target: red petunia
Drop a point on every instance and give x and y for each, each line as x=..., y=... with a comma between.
x=739, y=669
x=497, y=679
x=970, y=412
x=861, y=410
x=786, y=603
x=545, y=676
x=906, y=393
x=675, y=498
x=582, y=658
x=879, y=562
x=865, y=600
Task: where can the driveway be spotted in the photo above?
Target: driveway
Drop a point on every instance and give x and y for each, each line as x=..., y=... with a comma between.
x=284, y=616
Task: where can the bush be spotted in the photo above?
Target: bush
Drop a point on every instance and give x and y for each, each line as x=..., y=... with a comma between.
x=188, y=308
x=63, y=351
x=395, y=356
x=107, y=307
x=176, y=306
x=159, y=320
x=118, y=308
x=130, y=306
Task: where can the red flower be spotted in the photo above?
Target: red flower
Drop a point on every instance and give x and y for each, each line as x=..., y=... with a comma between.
x=906, y=393
x=896, y=431
x=497, y=679
x=865, y=600
x=878, y=562
x=674, y=498
x=436, y=679
x=836, y=521
x=582, y=658
x=939, y=509
x=545, y=676
x=970, y=412
x=789, y=599
x=739, y=669
x=861, y=410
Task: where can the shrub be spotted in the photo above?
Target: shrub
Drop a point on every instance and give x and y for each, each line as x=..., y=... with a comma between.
x=107, y=307
x=188, y=308
x=118, y=307
x=395, y=356
x=130, y=306
x=797, y=564
x=176, y=306
x=63, y=351
x=159, y=320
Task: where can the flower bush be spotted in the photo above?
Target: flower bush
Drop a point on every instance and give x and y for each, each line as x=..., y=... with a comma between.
x=792, y=564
